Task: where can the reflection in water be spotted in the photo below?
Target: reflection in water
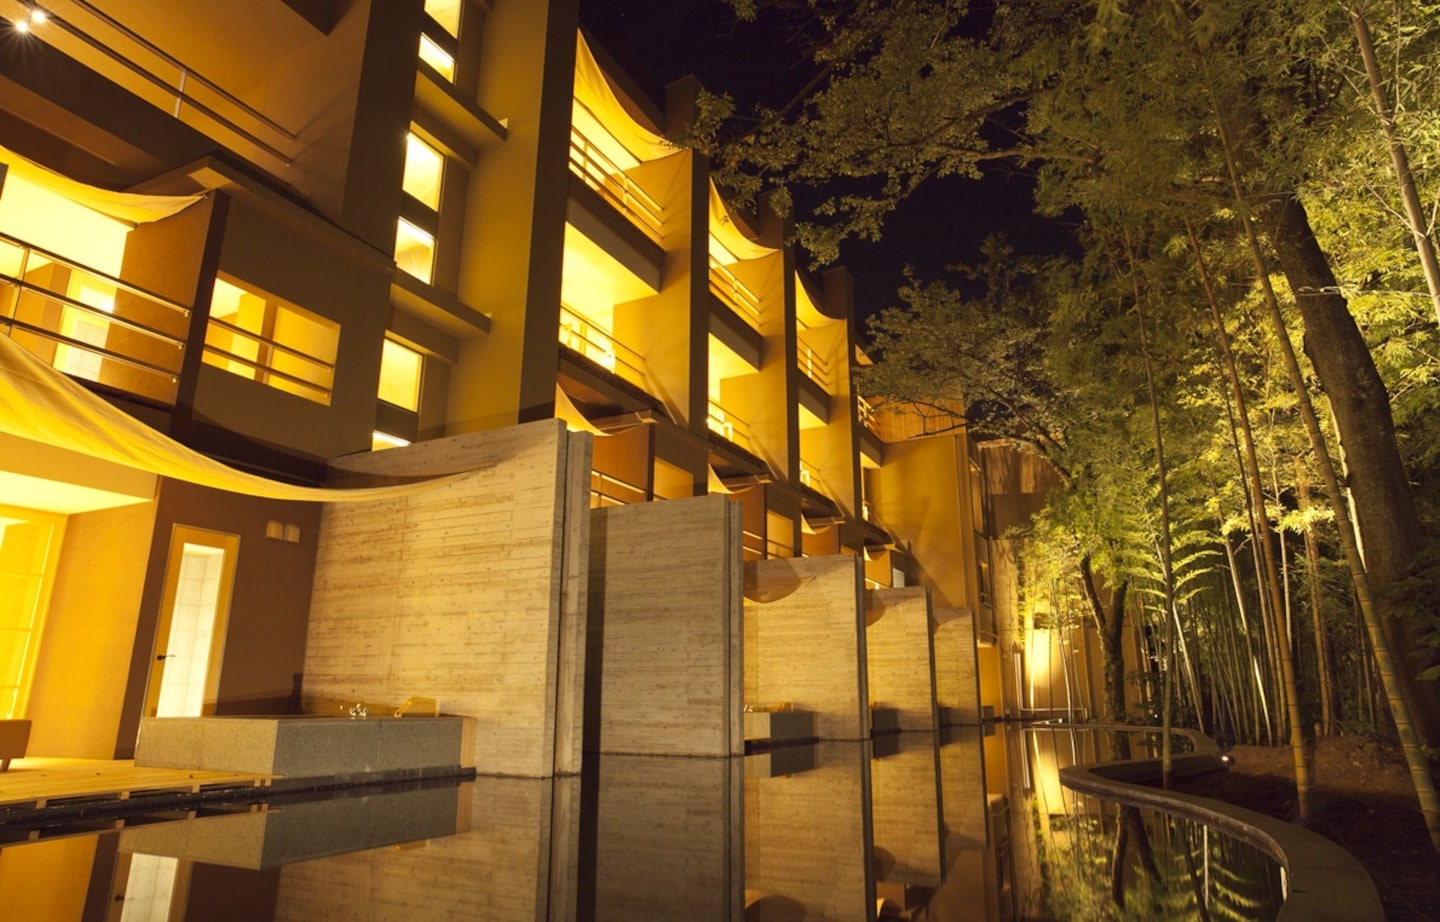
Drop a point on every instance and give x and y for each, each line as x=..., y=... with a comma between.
x=961, y=826
x=1103, y=861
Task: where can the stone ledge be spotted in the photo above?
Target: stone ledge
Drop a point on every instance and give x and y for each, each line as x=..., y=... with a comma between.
x=1325, y=883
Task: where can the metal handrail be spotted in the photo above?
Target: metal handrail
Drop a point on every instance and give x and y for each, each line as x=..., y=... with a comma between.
x=600, y=173
x=596, y=344
x=813, y=365
x=734, y=292
x=176, y=88
x=81, y=267
x=727, y=425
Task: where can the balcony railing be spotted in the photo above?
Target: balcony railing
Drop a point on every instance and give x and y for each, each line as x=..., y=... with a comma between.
x=600, y=173
x=107, y=45
x=814, y=366
x=595, y=344
x=268, y=361
x=608, y=491
x=757, y=546
x=728, y=426
x=809, y=475
x=867, y=416
x=91, y=325
x=734, y=292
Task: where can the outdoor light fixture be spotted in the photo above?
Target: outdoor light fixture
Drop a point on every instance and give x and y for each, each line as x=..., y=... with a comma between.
x=33, y=17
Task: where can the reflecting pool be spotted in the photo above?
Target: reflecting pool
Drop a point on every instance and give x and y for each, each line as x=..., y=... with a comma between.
x=967, y=824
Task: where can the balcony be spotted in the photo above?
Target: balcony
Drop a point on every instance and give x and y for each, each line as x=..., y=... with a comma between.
x=814, y=366
x=592, y=167
x=91, y=325
x=130, y=56
x=607, y=491
x=591, y=342
x=729, y=427
x=734, y=293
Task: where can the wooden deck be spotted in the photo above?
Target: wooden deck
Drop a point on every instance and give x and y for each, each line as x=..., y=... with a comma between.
x=36, y=783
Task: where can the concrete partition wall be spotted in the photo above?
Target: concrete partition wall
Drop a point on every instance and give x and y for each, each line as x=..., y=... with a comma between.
x=957, y=670
x=963, y=794
x=471, y=593
x=805, y=641
x=667, y=840
x=900, y=653
x=664, y=673
x=809, y=840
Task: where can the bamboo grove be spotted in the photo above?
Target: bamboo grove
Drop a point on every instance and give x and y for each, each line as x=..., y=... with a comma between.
x=1236, y=368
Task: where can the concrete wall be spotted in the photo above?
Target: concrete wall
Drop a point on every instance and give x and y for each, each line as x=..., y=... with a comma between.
x=805, y=641
x=922, y=496
x=900, y=654
x=265, y=634
x=957, y=668
x=664, y=664
x=667, y=840
x=905, y=789
x=472, y=593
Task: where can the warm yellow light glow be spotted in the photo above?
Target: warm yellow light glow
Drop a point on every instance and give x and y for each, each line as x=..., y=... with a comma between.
x=379, y=441
x=806, y=311
x=38, y=16
x=29, y=550
x=600, y=139
x=278, y=344
x=437, y=57
x=808, y=420
x=22, y=26
x=724, y=363
x=446, y=13
x=423, y=168
x=400, y=376
x=414, y=251
x=52, y=222
x=593, y=281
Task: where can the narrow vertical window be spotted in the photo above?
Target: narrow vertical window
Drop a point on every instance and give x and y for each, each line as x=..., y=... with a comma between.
x=414, y=251
x=424, y=166
x=400, y=376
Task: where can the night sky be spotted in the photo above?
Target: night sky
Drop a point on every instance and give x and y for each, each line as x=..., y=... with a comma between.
x=657, y=41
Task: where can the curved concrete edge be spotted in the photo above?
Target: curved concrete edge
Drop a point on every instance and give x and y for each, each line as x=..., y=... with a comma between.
x=1325, y=883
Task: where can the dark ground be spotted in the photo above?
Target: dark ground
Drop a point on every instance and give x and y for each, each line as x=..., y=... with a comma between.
x=1362, y=799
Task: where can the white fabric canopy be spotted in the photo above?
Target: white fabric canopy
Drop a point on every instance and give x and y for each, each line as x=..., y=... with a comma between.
x=41, y=404
x=722, y=225
x=123, y=206
x=594, y=92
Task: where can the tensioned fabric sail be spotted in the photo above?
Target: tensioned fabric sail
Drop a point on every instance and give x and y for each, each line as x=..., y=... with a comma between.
x=594, y=92
x=123, y=206
x=722, y=225
x=41, y=404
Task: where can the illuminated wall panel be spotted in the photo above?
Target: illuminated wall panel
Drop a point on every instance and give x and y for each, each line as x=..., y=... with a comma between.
x=957, y=680
x=901, y=654
x=805, y=641
x=472, y=594
x=664, y=664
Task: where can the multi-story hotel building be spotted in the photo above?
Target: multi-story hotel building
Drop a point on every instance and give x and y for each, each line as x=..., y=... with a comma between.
x=285, y=232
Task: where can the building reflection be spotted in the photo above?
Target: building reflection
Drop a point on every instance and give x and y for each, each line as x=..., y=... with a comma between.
x=913, y=825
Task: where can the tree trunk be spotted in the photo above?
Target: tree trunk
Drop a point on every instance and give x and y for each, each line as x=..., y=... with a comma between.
x=1111, y=626
x=1388, y=521
x=1312, y=570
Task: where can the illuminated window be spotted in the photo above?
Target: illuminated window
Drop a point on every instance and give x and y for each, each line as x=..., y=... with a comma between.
x=446, y=13
x=271, y=342
x=423, y=166
x=437, y=57
x=414, y=251
x=400, y=376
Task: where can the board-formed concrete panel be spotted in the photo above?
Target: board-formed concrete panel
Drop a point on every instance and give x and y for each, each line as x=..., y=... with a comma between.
x=900, y=655
x=957, y=673
x=664, y=661
x=962, y=789
x=471, y=593
x=805, y=641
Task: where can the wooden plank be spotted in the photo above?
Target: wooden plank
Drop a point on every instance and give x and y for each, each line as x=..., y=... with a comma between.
x=41, y=782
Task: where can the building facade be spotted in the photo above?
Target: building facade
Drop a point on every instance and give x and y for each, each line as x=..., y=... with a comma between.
x=285, y=233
